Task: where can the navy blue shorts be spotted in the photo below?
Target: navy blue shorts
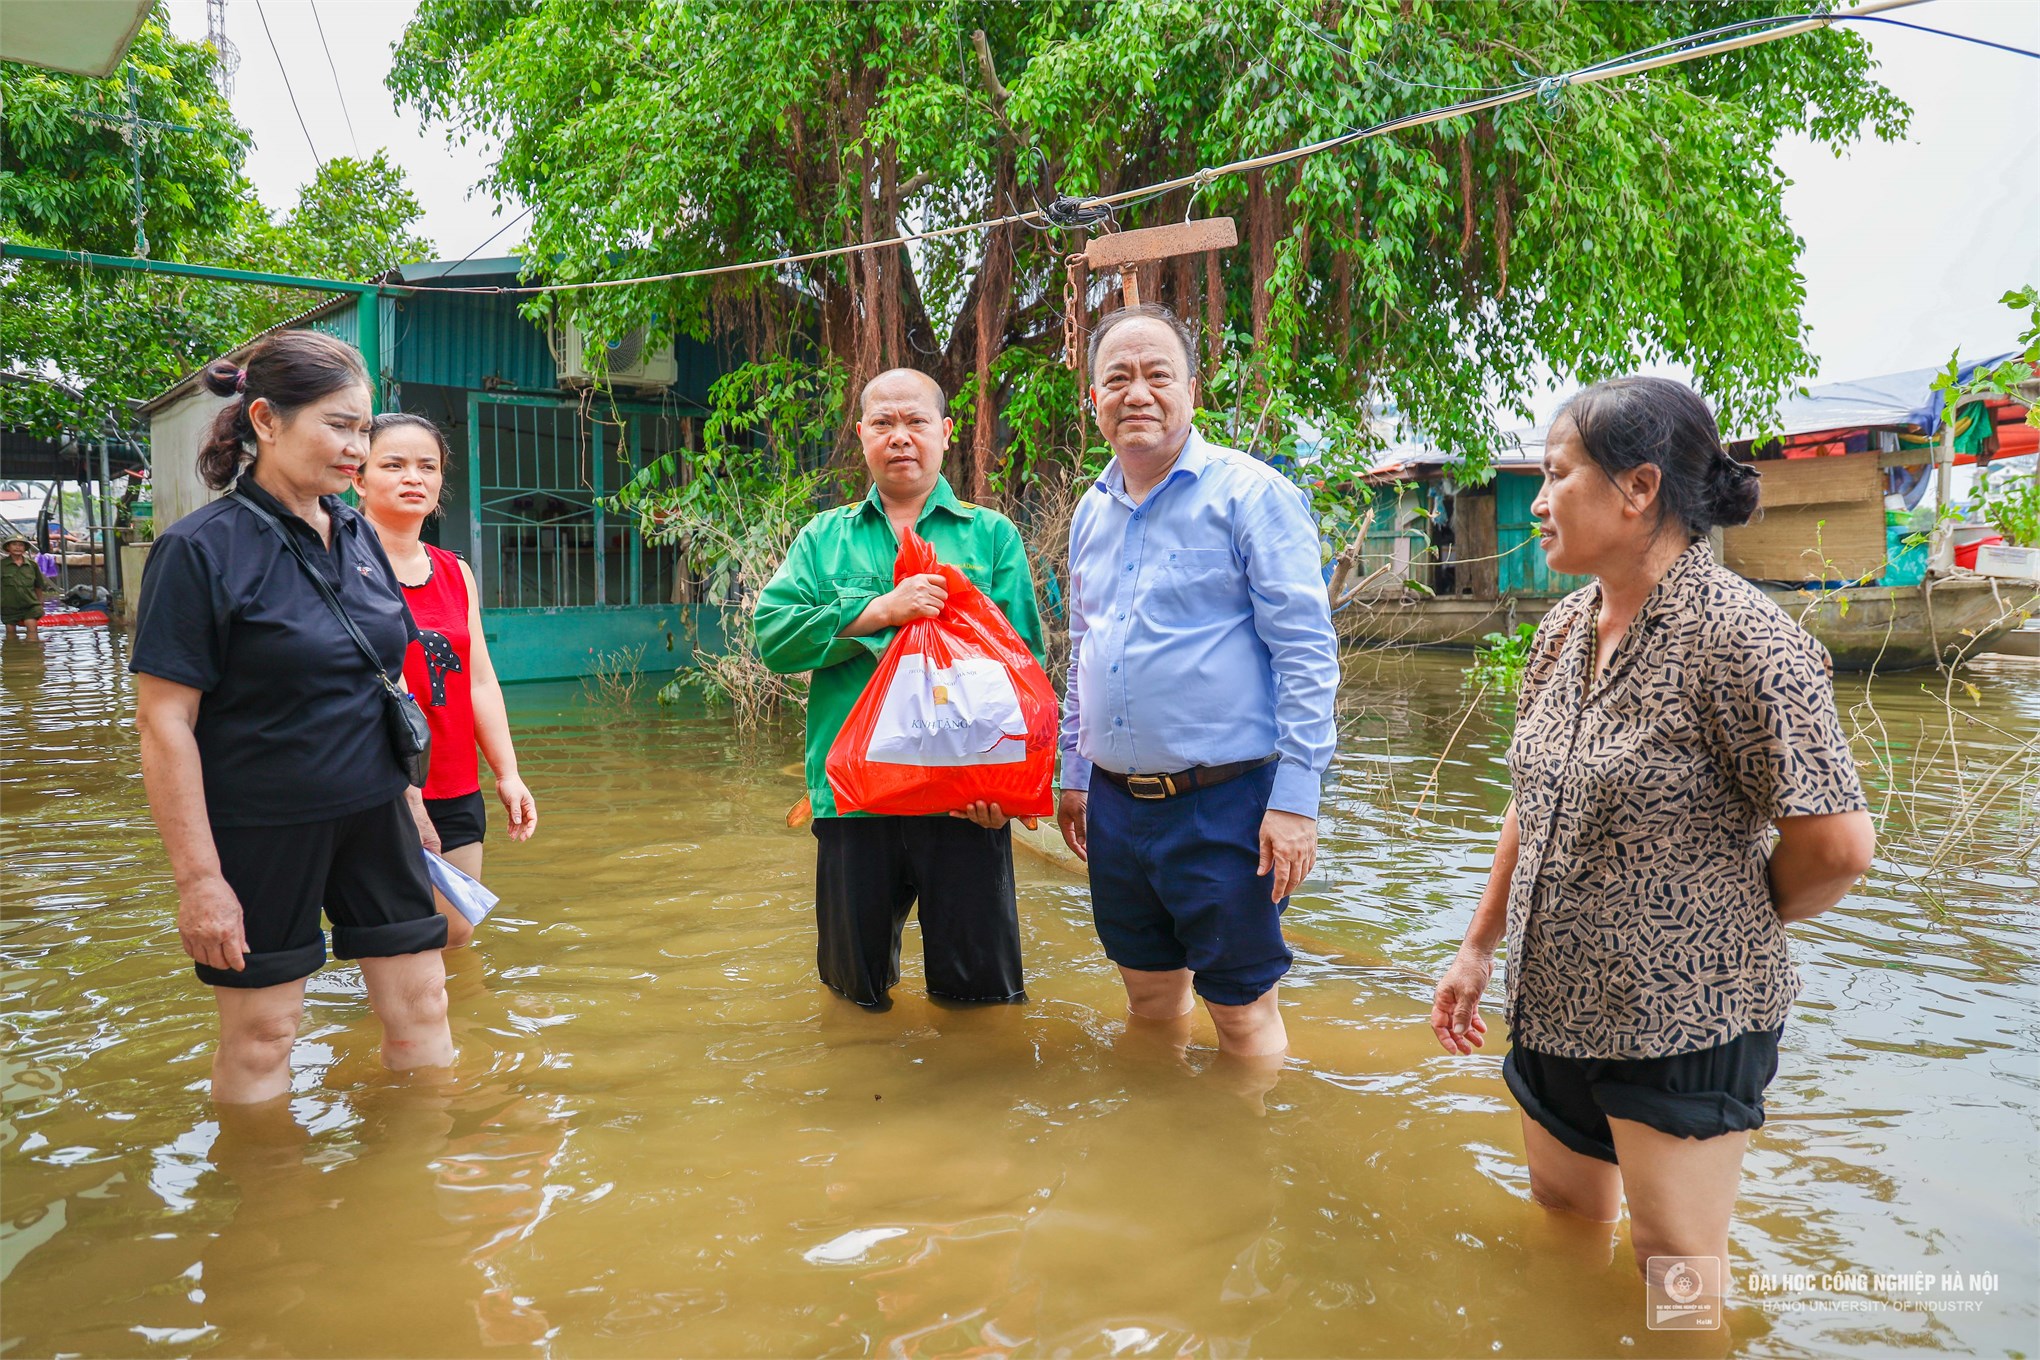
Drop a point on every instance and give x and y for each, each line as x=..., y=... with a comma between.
x=1173, y=885
x=1702, y=1094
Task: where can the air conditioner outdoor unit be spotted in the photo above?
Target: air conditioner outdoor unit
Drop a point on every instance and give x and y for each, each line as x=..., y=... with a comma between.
x=630, y=361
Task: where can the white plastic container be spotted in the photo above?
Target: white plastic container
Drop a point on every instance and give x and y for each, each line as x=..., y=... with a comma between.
x=2002, y=559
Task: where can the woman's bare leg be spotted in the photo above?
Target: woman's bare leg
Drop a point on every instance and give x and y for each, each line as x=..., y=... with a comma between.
x=1571, y=1182
x=1681, y=1191
x=408, y=992
x=258, y=1025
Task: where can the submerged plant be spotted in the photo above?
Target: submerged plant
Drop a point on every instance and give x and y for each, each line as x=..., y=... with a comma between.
x=733, y=508
x=613, y=677
x=1499, y=660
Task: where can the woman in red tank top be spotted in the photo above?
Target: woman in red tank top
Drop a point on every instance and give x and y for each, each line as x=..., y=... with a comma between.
x=448, y=669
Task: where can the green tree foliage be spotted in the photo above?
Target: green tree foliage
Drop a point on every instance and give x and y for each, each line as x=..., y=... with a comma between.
x=84, y=345
x=69, y=178
x=2011, y=505
x=2011, y=378
x=1595, y=230
x=353, y=221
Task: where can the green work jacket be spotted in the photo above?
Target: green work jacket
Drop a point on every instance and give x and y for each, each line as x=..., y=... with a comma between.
x=20, y=586
x=842, y=561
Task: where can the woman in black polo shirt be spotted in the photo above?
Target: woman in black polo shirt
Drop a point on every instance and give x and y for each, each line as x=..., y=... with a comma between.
x=265, y=751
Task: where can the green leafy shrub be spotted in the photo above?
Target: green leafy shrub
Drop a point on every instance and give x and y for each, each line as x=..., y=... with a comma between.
x=1499, y=660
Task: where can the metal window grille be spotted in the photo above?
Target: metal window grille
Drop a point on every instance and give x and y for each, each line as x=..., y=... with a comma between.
x=538, y=470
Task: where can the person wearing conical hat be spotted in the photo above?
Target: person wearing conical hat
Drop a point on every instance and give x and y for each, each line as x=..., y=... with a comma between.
x=21, y=588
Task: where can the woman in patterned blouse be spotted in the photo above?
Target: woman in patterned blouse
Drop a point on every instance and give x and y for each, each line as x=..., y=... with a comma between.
x=1671, y=718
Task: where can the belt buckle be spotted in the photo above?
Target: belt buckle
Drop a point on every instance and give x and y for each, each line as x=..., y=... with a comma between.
x=1150, y=787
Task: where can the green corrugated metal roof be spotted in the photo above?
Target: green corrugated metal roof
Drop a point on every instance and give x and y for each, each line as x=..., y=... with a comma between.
x=472, y=341
x=466, y=340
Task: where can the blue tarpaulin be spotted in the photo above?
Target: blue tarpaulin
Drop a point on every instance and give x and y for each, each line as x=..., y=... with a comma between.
x=1905, y=398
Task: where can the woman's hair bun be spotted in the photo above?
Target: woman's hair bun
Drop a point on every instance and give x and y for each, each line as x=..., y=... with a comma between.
x=1735, y=491
x=223, y=379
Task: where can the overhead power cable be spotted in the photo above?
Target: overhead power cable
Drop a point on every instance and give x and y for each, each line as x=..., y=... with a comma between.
x=342, y=94
x=1546, y=88
x=1945, y=33
x=492, y=236
x=264, y=15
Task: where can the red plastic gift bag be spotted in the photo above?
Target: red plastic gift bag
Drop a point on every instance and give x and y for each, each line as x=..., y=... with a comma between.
x=957, y=713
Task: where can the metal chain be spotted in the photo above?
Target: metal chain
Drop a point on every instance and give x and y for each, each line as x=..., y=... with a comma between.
x=1072, y=328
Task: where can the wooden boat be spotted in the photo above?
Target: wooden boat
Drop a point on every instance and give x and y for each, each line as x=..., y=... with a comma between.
x=2023, y=643
x=1897, y=628
x=1882, y=628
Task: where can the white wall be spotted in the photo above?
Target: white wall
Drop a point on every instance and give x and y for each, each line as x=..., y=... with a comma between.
x=175, y=432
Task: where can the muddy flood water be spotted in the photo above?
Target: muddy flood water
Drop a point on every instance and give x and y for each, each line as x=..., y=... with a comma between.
x=665, y=1138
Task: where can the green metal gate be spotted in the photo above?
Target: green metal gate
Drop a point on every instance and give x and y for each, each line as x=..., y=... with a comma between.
x=1523, y=571
x=538, y=471
x=1396, y=538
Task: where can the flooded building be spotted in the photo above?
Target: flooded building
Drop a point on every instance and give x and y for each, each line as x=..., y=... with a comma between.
x=565, y=583
x=1852, y=476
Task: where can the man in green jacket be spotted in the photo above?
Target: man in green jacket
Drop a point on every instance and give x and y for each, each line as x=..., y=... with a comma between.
x=21, y=587
x=831, y=609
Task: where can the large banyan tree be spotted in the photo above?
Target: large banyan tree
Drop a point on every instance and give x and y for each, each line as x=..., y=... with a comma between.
x=1584, y=232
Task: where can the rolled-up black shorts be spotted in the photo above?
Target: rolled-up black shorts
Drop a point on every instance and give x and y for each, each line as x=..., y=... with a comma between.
x=460, y=820
x=1702, y=1094
x=366, y=871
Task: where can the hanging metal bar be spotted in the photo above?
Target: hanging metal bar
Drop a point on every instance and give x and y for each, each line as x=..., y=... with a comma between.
x=595, y=513
x=477, y=488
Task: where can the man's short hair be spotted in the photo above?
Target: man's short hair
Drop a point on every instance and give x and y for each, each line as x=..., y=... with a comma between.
x=934, y=388
x=1146, y=311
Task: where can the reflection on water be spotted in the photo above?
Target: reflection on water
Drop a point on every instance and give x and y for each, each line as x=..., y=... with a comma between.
x=664, y=1136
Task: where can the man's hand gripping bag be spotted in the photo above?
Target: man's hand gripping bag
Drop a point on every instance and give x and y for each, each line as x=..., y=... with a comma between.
x=958, y=712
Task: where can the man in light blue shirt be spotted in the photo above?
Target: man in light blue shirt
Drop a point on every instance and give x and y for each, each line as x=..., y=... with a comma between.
x=1197, y=726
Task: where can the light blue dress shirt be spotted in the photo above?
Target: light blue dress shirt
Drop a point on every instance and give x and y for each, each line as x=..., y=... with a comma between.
x=1199, y=629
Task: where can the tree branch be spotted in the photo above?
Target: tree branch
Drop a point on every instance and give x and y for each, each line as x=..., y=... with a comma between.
x=990, y=76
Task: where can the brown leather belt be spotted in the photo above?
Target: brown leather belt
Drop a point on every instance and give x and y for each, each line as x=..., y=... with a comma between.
x=1153, y=787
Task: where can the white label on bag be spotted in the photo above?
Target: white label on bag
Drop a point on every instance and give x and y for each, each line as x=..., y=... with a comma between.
x=964, y=714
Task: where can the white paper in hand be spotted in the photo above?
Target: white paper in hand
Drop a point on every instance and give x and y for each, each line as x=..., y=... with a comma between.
x=468, y=896
x=967, y=713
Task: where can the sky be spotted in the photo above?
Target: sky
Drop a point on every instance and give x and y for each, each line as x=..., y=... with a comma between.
x=360, y=35
x=1909, y=245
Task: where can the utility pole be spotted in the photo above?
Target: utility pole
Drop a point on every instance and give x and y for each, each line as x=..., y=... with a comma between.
x=229, y=55
x=131, y=129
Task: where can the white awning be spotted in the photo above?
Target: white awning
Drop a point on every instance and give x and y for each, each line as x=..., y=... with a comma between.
x=83, y=37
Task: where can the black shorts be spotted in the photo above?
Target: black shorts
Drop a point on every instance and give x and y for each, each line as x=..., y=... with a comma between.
x=870, y=871
x=365, y=870
x=460, y=820
x=1702, y=1094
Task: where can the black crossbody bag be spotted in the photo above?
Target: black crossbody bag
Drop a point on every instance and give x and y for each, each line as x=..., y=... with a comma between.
x=410, y=735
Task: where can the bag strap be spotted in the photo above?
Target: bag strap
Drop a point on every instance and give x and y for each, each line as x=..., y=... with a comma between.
x=296, y=549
